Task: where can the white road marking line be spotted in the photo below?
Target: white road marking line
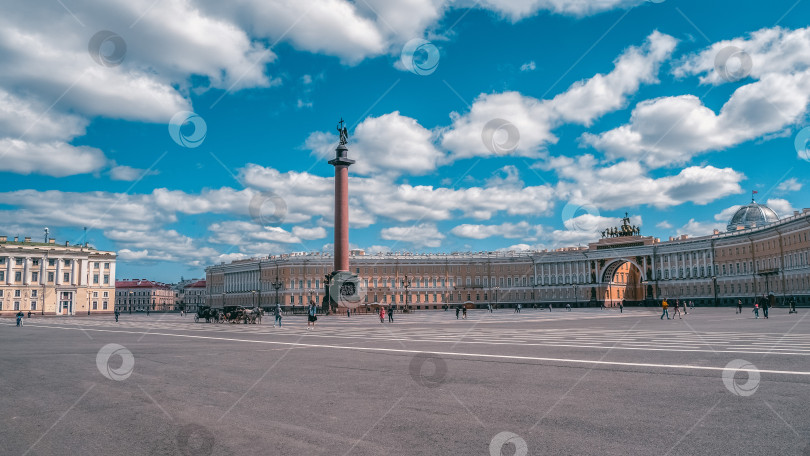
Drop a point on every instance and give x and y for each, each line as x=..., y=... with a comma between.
x=456, y=354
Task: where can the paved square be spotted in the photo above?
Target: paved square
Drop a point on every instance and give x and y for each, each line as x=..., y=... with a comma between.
x=570, y=383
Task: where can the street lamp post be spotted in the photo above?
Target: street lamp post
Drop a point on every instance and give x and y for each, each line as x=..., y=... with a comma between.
x=253, y=292
x=131, y=293
x=576, y=296
x=407, y=283
x=496, y=295
x=714, y=285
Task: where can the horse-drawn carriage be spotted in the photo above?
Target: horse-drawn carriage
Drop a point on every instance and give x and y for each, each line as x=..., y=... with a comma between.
x=242, y=315
x=210, y=315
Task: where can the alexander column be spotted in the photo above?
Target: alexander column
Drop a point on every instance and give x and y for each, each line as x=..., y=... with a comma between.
x=341, y=284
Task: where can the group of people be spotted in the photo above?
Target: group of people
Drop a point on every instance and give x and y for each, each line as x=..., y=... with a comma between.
x=677, y=306
x=463, y=309
x=390, y=314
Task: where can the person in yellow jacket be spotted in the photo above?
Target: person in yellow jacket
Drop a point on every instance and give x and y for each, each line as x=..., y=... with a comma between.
x=665, y=306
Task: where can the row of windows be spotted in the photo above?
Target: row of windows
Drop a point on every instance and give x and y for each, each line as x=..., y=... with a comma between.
x=145, y=293
x=18, y=261
x=18, y=277
x=16, y=306
x=18, y=293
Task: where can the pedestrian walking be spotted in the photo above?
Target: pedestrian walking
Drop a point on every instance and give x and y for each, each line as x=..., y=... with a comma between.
x=20, y=318
x=568, y=307
x=549, y=307
x=664, y=307
x=677, y=309
x=756, y=310
x=765, y=305
x=458, y=311
x=519, y=307
x=117, y=314
x=147, y=311
x=792, y=306
x=516, y=309
x=311, y=317
x=621, y=306
x=464, y=313
x=739, y=306
x=277, y=315
x=390, y=314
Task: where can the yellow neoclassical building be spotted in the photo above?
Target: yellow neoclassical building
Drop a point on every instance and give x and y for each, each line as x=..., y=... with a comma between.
x=47, y=278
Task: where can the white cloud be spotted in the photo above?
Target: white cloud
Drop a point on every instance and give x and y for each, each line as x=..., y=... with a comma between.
x=782, y=207
x=625, y=184
x=582, y=103
x=309, y=233
x=528, y=66
x=694, y=228
x=519, y=9
x=789, y=185
x=520, y=230
x=238, y=233
x=672, y=130
x=421, y=235
x=664, y=225
x=772, y=51
x=126, y=173
x=160, y=245
x=391, y=143
x=50, y=158
x=378, y=249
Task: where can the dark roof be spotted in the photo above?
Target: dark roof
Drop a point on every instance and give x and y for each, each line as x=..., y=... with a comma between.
x=140, y=283
x=197, y=284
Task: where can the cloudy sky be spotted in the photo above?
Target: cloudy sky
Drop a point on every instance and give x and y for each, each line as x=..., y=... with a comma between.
x=183, y=133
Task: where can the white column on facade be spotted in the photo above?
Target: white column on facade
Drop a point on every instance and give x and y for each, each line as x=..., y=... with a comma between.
x=74, y=272
x=59, y=271
x=644, y=265
x=26, y=271
x=661, y=260
x=112, y=274
x=9, y=272
x=42, y=272
x=83, y=271
x=676, y=263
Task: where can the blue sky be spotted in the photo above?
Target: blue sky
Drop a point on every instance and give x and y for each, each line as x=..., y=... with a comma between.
x=671, y=111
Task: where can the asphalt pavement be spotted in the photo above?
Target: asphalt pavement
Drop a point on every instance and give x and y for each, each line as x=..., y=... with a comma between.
x=585, y=382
